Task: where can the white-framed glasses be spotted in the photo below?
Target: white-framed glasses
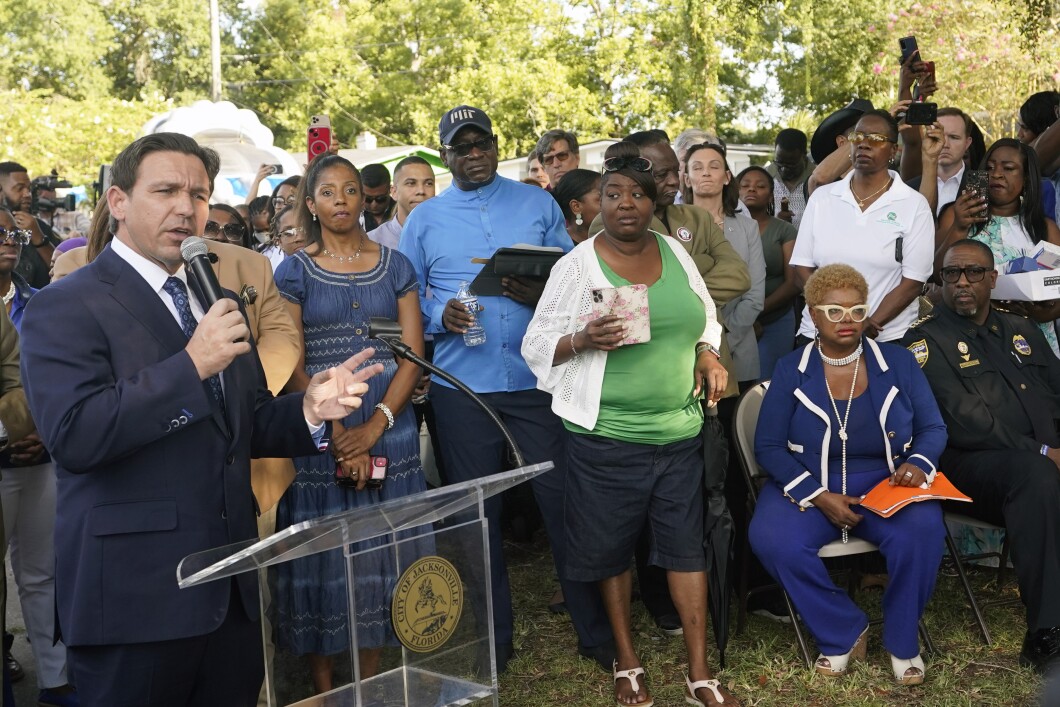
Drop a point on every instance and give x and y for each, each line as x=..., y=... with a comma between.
x=835, y=313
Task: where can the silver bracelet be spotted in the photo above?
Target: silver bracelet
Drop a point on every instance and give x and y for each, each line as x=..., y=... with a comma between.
x=572, y=344
x=382, y=407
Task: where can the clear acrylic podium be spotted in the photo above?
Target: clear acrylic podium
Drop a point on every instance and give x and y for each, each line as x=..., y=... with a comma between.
x=441, y=623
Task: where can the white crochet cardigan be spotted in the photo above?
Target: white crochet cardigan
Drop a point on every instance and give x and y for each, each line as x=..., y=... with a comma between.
x=575, y=385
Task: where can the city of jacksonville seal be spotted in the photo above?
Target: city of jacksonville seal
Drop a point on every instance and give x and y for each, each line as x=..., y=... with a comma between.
x=427, y=604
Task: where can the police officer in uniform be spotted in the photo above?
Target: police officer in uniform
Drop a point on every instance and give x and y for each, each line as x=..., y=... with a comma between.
x=998, y=385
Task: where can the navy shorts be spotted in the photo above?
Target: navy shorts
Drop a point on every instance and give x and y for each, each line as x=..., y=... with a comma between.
x=615, y=489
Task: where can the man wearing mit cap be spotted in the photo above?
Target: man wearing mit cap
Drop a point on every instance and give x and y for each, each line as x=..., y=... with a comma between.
x=484, y=212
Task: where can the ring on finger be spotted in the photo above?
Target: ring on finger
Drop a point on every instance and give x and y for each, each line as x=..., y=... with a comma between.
x=908, y=474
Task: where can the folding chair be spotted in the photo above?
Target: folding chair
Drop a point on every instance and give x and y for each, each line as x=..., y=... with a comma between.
x=960, y=560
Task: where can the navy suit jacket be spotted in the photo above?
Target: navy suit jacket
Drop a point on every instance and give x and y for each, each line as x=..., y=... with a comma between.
x=795, y=425
x=149, y=470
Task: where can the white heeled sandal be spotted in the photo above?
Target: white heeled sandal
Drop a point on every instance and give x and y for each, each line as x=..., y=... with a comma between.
x=835, y=665
x=908, y=671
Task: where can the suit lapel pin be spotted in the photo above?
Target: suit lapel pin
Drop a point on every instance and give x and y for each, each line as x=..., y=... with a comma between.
x=249, y=295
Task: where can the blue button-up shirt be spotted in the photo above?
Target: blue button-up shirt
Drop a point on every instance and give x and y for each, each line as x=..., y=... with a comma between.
x=442, y=235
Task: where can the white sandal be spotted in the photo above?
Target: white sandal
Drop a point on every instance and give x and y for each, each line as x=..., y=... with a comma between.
x=712, y=685
x=633, y=675
x=902, y=668
x=837, y=664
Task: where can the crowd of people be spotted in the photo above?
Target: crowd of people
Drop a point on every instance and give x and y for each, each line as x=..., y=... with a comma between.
x=853, y=272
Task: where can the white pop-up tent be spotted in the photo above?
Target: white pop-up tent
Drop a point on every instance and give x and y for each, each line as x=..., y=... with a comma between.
x=238, y=136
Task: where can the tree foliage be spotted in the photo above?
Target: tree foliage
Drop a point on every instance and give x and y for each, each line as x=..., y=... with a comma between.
x=599, y=67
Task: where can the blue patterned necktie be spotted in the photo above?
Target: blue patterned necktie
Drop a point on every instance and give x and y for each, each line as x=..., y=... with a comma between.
x=179, y=292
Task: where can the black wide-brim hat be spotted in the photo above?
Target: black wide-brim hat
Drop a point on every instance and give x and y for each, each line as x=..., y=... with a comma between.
x=822, y=143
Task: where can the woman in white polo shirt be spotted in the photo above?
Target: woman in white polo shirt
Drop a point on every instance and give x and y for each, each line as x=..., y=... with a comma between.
x=873, y=222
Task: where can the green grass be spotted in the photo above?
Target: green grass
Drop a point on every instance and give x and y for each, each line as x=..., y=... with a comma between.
x=762, y=664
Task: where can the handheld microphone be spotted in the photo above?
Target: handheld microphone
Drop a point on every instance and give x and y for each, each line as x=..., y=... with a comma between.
x=197, y=259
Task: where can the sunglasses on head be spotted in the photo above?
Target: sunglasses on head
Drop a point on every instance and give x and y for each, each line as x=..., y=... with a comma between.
x=382, y=199
x=637, y=164
x=291, y=233
x=858, y=137
x=463, y=149
x=974, y=273
x=14, y=236
x=835, y=313
x=231, y=231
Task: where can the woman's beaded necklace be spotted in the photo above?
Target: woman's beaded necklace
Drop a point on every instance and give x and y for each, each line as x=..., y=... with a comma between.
x=346, y=258
x=856, y=357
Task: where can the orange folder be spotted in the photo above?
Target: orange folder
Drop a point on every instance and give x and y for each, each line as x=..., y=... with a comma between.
x=886, y=500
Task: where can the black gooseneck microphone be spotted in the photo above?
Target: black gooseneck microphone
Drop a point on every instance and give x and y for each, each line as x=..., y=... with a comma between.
x=389, y=332
x=197, y=259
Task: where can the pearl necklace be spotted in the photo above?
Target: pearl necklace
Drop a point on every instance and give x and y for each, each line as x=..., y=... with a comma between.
x=843, y=425
x=861, y=201
x=346, y=258
x=841, y=361
x=10, y=294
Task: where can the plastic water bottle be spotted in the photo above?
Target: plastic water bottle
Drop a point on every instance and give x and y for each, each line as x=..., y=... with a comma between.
x=475, y=334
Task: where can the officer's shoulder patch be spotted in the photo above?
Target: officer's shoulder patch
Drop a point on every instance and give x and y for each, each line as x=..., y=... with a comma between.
x=920, y=351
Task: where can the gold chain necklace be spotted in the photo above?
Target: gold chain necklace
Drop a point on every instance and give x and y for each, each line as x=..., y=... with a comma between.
x=346, y=258
x=861, y=201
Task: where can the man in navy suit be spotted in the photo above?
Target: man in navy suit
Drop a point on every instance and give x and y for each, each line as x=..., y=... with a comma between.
x=152, y=409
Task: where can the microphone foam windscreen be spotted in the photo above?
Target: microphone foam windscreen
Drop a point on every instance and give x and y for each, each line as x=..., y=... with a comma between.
x=191, y=247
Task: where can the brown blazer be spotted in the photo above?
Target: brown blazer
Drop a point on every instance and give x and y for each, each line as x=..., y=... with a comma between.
x=278, y=342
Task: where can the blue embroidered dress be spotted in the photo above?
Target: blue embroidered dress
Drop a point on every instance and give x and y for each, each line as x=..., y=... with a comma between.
x=310, y=593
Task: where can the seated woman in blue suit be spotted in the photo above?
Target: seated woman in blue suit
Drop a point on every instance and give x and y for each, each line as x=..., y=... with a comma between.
x=842, y=414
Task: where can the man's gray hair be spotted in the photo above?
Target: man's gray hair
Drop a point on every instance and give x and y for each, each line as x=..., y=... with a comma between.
x=545, y=143
x=693, y=136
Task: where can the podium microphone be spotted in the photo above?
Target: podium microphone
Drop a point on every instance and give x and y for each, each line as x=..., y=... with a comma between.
x=389, y=332
x=197, y=259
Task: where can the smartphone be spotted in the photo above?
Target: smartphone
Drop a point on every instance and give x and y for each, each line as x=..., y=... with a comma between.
x=978, y=180
x=629, y=303
x=922, y=114
x=376, y=474
x=277, y=168
x=908, y=47
x=318, y=137
x=929, y=71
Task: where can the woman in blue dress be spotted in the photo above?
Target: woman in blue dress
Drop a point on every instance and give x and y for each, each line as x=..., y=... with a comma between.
x=333, y=287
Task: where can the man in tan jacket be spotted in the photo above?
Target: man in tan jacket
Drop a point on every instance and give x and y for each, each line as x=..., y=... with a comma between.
x=15, y=420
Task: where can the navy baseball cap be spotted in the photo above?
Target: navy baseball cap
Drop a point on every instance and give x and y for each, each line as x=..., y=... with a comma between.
x=461, y=117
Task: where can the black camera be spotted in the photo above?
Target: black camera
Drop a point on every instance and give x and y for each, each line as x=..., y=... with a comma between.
x=51, y=182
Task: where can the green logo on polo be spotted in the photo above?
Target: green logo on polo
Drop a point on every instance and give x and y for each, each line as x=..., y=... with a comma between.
x=892, y=216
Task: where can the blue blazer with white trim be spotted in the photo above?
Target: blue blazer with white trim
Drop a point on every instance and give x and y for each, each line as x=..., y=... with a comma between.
x=795, y=426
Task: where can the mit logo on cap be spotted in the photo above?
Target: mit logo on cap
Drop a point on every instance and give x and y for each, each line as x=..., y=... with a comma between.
x=461, y=117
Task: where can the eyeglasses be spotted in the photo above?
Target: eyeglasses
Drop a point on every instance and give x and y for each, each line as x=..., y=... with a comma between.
x=382, y=199
x=231, y=231
x=973, y=273
x=279, y=202
x=549, y=160
x=637, y=164
x=835, y=313
x=291, y=233
x=14, y=236
x=463, y=149
x=858, y=137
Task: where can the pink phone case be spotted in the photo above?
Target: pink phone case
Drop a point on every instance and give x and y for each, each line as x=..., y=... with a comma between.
x=630, y=302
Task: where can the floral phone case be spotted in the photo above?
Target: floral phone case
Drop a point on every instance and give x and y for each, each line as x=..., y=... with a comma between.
x=630, y=302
